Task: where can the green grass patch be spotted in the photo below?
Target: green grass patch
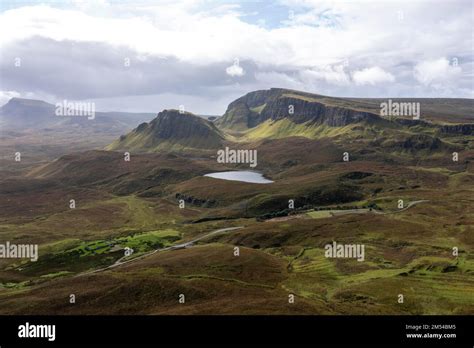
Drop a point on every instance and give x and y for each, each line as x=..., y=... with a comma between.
x=150, y=240
x=319, y=214
x=286, y=128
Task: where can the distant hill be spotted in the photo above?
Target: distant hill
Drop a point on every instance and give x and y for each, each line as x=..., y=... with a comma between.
x=21, y=114
x=171, y=130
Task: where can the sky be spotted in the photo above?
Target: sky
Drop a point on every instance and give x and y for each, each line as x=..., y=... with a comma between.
x=146, y=56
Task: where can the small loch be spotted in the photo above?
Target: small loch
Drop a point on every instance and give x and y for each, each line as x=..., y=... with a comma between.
x=241, y=175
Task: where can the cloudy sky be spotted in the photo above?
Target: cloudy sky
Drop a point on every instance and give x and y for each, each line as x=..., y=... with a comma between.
x=151, y=55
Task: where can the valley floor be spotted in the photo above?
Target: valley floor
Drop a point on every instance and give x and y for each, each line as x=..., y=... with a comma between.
x=185, y=260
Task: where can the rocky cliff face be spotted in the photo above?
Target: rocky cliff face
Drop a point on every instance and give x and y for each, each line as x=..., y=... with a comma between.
x=259, y=106
x=300, y=111
x=242, y=113
x=276, y=103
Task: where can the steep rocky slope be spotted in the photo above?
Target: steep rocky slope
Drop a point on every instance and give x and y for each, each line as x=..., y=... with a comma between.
x=171, y=130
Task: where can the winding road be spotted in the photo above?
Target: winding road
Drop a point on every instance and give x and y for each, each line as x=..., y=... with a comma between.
x=190, y=243
x=184, y=245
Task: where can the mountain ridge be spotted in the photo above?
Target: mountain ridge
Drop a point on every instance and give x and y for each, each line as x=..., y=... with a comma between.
x=171, y=130
x=256, y=107
x=281, y=113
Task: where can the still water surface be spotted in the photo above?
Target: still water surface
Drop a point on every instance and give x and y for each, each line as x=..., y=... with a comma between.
x=241, y=175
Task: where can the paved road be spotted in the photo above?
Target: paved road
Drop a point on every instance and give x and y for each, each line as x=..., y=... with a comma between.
x=184, y=245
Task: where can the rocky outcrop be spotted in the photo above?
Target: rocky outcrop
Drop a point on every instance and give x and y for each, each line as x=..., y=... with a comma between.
x=171, y=129
x=454, y=129
x=464, y=129
x=173, y=124
x=415, y=142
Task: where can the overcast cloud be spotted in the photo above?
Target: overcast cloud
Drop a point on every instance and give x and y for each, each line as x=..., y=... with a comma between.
x=147, y=56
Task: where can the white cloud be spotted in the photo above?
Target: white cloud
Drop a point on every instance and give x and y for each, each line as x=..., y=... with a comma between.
x=437, y=71
x=5, y=96
x=197, y=39
x=372, y=76
x=331, y=74
x=235, y=70
x=340, y=30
